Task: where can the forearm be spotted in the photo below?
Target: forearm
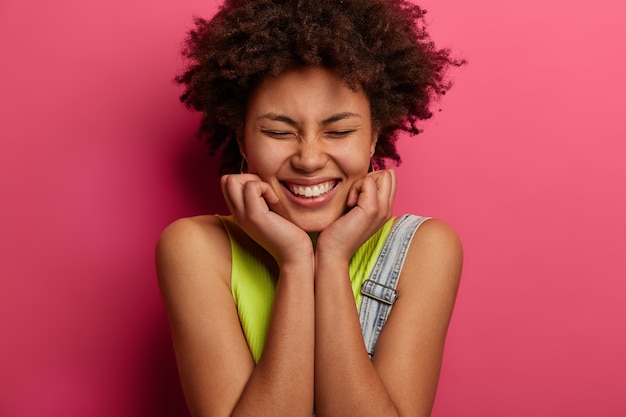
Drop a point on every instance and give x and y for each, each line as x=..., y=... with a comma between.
x=346, y=382
x=282, y=381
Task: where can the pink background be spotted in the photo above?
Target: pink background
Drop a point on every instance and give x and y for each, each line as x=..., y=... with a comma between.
x=526, y=161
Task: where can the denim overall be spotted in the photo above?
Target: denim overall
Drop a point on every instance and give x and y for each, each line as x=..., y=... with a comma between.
x=379, y=290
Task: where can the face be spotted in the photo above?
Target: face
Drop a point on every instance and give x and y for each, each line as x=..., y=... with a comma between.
x=310, y=137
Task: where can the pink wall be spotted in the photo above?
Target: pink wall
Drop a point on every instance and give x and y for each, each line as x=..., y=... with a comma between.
x=525, y=161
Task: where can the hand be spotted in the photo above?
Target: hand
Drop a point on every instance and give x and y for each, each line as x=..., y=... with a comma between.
x=247, y=197
x=371, y=204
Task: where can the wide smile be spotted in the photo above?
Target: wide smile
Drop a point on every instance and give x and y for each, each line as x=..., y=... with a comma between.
x=311, y=195
x=310, y=191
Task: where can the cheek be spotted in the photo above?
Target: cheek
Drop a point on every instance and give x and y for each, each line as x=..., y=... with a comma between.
x=254, y=150
x=355, y=162
x=265, y=160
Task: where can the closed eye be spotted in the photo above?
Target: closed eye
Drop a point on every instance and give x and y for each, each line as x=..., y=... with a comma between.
x=339, y=133
x=278, y=134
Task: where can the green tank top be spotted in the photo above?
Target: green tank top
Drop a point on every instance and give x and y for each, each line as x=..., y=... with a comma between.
x=255, y=273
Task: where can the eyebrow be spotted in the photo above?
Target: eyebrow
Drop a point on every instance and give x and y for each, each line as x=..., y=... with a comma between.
x=285, y=119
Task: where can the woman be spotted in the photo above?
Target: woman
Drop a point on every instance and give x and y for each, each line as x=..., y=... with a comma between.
x=304, y=99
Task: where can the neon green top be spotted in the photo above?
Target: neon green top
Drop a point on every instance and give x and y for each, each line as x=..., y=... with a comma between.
x=255, y=274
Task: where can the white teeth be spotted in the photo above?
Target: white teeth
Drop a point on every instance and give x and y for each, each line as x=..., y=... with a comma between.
x=314, y=191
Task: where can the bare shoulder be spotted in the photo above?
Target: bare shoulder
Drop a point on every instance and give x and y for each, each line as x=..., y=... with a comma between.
x=193, y=259
x=198, y=228
x=193, y=244
x=436, y=243
x=437, y=237
x=435, y=255
x=410, y=349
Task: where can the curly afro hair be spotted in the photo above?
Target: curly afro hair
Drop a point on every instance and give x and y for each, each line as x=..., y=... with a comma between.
x=379, y=46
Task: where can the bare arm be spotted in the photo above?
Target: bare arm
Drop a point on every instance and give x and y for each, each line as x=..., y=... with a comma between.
x=410, y=349
x=218, y=374
x=402, y=378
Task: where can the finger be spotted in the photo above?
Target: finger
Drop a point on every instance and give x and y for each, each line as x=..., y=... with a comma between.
x=367, y=194
x=386, y=191
x=272, y=194
x=226, y=183
x=353, y=193
x=383, y=193
x=384, y=182
x=257, y=195
x=232, y=188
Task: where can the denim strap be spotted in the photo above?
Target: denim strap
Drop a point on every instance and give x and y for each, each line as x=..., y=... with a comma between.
x=379, y=290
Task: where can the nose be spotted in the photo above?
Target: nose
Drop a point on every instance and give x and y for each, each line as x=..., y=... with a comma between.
x=310, y=156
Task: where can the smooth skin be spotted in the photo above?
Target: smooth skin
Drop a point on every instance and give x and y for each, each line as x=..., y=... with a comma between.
x=304, y=128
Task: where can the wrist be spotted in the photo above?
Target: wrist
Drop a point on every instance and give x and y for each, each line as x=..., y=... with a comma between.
x=333, y=252
x=298, y=260
x=331, y=259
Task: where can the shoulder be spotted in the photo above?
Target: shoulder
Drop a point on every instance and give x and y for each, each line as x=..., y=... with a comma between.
x=193, y=234
x=436, y=235
x=410, y=349
x=435, y=256
x=206, y=226
x=191, y=245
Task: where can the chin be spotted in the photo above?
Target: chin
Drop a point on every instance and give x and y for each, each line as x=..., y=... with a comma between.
x=312, y=223
x=311, y=220
x=311, y=227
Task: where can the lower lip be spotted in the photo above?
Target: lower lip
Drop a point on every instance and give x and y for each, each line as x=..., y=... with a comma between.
x=311, y=202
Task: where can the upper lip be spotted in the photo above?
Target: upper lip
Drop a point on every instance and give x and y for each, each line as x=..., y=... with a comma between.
x=309, y=182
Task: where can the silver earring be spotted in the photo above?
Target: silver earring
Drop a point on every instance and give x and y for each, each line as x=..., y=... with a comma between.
x=244, y=163
x=371, y=169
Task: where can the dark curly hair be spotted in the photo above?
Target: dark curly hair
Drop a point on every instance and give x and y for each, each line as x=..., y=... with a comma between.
x=379, y=46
